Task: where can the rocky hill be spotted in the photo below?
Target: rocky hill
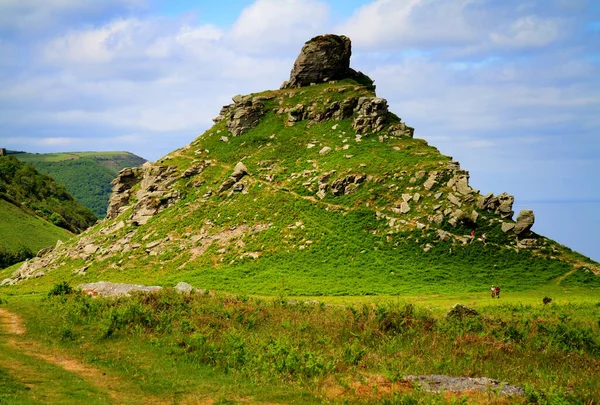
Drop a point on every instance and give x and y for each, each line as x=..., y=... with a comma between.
x=315, y=188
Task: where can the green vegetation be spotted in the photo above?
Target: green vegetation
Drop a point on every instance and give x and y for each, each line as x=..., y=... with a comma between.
x=86, y=175
x=23, y=186
x=22, y=234
x=322, y=353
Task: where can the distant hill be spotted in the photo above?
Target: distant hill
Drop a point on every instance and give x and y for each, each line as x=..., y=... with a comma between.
x=33, y=210
x=86, y=175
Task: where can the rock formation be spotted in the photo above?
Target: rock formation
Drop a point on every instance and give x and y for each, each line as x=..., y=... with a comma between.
x=322, y=59
x=525, y=221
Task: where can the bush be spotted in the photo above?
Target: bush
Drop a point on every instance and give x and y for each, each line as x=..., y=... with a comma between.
x=62, y=288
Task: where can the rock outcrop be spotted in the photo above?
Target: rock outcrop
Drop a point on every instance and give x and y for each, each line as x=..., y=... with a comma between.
x=525, y=221
x=153, y=196
x=501, y=205
x=322, y=59
x=243, y=115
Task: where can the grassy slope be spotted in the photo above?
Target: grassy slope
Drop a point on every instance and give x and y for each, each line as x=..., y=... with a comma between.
x=86, y=175
x=18, y=228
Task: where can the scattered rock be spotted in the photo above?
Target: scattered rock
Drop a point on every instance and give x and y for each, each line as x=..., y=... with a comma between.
x=439, y=383
x=325, y=150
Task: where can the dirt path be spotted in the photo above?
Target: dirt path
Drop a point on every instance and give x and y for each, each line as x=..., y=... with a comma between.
x=114, y=387
x=11, y=322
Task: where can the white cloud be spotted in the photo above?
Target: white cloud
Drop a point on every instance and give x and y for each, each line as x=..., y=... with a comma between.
x=529, y=31
x=409, y=23
x=269, y=25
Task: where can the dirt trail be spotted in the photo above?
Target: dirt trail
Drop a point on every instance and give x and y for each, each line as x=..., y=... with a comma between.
x=11, y=322
x=113, y=386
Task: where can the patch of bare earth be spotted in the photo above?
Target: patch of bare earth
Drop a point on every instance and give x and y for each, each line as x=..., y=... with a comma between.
x=376, y=387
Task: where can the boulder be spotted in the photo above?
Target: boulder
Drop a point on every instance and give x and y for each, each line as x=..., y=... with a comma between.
x=226, y=185
x=184, y=288
x=525, y=221
x=239, y=171
x=322, y=59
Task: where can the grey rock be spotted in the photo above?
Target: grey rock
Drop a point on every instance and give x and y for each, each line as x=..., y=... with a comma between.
x=226, y=185
x=507, y=226
x=525, y=221
x=184, y=288
x=371, y=115
x=325, y=150
x=454, y=200
x=239, y=171
x=108, y=289
x=526, y=243
x=323, y=59
x=404, y=207
x=244, y=118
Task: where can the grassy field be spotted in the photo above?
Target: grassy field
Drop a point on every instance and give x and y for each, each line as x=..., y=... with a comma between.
x=168, y=347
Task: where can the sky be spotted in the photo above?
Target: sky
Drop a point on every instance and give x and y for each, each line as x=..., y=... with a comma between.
x=510, y=89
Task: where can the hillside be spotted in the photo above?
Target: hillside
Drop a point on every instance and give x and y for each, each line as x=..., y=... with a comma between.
x=85, y=175
x=22, y=234
x=313, y=189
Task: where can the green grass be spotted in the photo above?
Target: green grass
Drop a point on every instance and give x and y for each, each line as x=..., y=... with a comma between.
x=19, y=228
x=171, y=346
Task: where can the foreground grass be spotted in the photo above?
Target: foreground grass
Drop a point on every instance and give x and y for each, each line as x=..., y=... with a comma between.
x=236, y=348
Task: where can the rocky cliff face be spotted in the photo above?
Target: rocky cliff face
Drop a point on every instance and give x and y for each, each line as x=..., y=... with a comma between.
x=281, y=172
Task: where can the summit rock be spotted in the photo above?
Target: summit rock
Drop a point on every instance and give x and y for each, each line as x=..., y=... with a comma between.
x=322, y=59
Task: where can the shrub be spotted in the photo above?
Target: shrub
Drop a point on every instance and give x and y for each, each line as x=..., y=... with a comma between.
x=62, y=288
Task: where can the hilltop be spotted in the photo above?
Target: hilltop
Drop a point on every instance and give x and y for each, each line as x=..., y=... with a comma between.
x=86, y=175
x=312, y=189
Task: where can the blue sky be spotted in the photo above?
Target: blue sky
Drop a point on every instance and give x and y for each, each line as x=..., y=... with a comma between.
x=510, y=89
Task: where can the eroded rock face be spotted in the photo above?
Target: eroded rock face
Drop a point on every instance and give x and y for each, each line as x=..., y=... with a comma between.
x=155, y=193
x=371, y=115
x=245, y=118
x=525, y=221
x=122, y=185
